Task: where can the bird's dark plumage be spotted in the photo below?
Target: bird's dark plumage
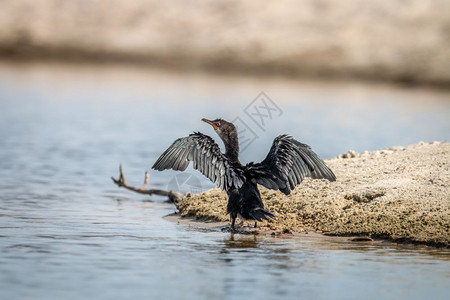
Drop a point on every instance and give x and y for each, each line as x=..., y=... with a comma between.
x=287, y=163
x=206, y=157
x=284, y=167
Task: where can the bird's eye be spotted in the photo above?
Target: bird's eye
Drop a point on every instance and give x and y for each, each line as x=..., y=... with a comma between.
x=218, y=124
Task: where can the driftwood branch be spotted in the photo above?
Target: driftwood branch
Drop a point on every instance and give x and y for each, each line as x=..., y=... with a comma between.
x=122, y=182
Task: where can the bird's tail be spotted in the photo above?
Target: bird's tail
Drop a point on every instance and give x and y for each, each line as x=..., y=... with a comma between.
x=260, y=214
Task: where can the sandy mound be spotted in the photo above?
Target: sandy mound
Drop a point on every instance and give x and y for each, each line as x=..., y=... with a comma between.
x=401, y=194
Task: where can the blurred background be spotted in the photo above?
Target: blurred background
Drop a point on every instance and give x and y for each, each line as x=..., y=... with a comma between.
x=128, y=77
x=397, y=40
x=86, y=85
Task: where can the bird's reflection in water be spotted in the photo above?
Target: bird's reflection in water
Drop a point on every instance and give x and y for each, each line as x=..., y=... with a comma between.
x=238, y=243
x=241, y=241
x=277, y=259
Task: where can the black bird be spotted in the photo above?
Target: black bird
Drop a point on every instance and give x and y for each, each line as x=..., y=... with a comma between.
x=287, y=163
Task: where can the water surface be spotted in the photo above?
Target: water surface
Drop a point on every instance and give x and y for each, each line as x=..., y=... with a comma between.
x=66, y=232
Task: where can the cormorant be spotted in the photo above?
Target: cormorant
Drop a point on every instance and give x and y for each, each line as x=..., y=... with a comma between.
x=287, y=163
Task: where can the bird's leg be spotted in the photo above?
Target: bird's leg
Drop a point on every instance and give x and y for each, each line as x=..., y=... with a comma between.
x=233, y=220
x=232, y=226
x=256, y=224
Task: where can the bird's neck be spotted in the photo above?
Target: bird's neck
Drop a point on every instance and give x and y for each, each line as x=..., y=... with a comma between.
x=232, y=149
x=232, y=154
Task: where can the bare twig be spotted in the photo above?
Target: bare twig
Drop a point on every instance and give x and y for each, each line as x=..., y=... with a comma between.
x=122, y=182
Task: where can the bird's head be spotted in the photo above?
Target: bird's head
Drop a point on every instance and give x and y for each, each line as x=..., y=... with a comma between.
x=226, y=130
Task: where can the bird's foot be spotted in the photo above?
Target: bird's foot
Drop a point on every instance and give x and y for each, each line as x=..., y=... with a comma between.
x=250, y=226
x=228, y=229
x=240, y=230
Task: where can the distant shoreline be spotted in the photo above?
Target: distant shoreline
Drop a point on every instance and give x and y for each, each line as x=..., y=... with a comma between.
x=383, y=41
x=224, y=69
x=399, y=194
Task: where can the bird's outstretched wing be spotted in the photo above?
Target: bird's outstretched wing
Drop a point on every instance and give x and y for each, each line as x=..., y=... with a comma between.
x=206, y=157
x=287, y=163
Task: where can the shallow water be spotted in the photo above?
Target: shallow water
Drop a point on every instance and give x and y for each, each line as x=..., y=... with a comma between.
x=68, y=232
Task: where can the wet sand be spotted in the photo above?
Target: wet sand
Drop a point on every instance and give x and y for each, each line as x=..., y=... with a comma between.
x=400, y=194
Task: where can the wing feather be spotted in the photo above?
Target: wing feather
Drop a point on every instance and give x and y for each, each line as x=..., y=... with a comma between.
x=287, y=164
x=206, y=157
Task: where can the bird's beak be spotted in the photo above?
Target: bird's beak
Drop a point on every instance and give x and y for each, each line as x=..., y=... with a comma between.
x=210, y=123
